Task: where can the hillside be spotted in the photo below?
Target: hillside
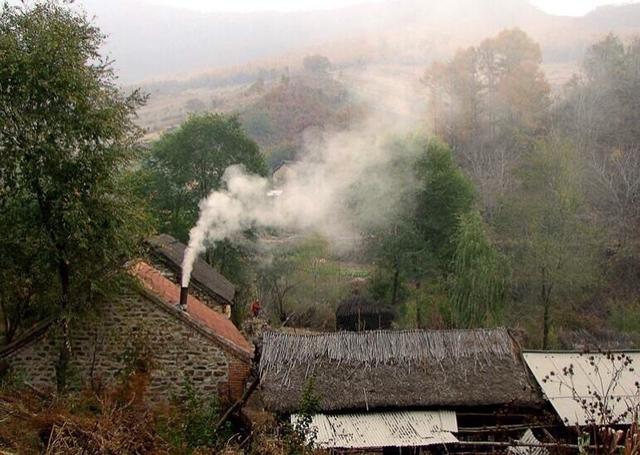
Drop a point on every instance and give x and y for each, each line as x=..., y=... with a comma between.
x=401, y=36
x=160, y=42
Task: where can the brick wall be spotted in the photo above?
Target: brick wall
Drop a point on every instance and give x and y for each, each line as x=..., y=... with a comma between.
x=237, y=374
x=125, y=328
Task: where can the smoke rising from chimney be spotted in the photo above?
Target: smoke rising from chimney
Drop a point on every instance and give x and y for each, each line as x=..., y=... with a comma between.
x=315, y=195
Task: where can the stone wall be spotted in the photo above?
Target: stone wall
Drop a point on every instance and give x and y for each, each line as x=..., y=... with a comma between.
x=130, y=328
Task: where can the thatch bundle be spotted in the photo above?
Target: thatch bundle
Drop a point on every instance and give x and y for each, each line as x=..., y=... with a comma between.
x=395, y=369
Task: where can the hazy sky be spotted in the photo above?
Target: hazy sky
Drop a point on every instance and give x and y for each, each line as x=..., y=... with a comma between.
x=564, y=7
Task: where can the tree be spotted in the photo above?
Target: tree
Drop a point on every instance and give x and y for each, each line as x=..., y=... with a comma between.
x=490, y=103
x=25, y=275
x=546, y=234
x=600, y=111
x=275, y=283
x=415, y=241
x=318, y=64
x=185, y=165
x=444, y=194
x=478, y=284
x=66, y=137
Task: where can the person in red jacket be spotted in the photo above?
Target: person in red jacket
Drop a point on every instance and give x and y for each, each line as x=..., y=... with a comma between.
x=255, y=308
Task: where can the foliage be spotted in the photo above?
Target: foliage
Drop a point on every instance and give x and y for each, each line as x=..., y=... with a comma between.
x=309, y=406
x=184, y=166
x=190, y=423
x=67, y=136
x=444, y=194
x=280, y=118
x=599, y=112
x=114, y=421
x=426, y=307
x=301, y=282
x=478, y=285
x=490, y=102
x=416, y=242
x=316, y=64
x=550, y=244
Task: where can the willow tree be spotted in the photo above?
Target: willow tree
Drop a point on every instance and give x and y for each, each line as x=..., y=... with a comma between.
x=478, y=284
x=66, y=137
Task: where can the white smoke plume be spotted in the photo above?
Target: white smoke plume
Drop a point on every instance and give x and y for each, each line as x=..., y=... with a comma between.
x=313, y=196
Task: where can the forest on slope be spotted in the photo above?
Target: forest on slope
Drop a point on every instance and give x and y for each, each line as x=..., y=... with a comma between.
x=493, y=197
x=544, y=181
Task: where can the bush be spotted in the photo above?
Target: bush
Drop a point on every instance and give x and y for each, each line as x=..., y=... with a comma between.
x=190, y=423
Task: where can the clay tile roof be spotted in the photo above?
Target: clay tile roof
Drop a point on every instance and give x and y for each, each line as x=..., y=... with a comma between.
x=167, y=291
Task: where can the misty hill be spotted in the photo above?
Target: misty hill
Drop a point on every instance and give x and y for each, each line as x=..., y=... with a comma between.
x=151, y=42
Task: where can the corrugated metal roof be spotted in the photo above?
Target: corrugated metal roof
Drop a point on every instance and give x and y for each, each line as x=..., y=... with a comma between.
x=592, y=373
x=383, y=429
x=528, y=438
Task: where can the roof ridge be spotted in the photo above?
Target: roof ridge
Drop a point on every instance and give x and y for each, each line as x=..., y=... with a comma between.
x=25, y=338
x=384, y=347
x=167, y=293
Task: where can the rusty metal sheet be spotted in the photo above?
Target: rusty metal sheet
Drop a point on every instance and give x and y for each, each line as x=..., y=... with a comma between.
x=383, y=429
x=573, y=395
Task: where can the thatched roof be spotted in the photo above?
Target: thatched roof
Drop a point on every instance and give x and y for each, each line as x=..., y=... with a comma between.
x=170, y=251
x=395, y=369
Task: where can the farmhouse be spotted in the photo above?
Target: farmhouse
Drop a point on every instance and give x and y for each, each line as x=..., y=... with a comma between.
x=437, y=386
x=194, y=344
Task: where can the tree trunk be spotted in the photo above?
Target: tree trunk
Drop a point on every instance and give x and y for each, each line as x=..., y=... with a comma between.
x=396, y=283
x=545, y=326
x=545, y=296
x=62, y=365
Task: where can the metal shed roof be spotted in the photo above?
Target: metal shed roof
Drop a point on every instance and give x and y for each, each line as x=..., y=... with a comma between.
x=383, y=429
x=528, y=438
x=568, y=378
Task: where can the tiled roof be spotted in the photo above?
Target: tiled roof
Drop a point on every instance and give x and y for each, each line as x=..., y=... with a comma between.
x=171, y=251
x=167, y=291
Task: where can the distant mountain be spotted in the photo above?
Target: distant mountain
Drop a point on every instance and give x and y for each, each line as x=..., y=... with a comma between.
x=151, y=42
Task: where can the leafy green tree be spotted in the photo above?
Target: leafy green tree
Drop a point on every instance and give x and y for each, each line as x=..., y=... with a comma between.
x=444, y=194
x=185, y=165
x=478, y=284
x=416, y=241
x=547, y=236
x=66, y=136
x=26, y=276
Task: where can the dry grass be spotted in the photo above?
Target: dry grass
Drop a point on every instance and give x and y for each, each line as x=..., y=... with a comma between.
x=113, y=422
x=409, y=347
